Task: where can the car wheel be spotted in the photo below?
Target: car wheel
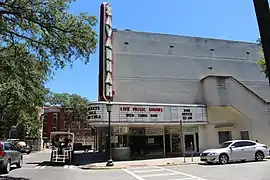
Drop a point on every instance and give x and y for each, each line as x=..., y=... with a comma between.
x=6, y=168
x=20, y=163
x=259, y=156
x=223, y=159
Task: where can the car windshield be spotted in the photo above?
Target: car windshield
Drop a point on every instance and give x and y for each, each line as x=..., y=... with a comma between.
x=224, y=145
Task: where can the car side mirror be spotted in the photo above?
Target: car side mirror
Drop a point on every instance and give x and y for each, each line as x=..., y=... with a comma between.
x=232, y=147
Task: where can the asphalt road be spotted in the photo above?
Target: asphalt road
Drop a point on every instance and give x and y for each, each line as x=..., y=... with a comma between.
x=239, y=171
x=36, y=167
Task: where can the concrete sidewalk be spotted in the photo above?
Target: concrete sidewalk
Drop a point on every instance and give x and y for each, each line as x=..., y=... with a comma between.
x=141, y=163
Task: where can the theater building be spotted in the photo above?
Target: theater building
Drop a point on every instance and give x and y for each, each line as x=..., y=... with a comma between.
x=159, y=83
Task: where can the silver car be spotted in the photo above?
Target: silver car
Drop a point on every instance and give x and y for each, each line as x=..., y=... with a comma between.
x=236, y=150
x=9, y=155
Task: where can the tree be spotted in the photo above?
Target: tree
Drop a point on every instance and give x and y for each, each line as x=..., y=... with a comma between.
x=262, y=64
x=22, y=88
x=73, y=104
x=261, y=61
x=47, y=30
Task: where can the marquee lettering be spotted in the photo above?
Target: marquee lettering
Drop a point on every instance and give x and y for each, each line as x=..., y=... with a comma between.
x=124, y=108
x=138, y=109
x=92, y=112
x=156, y=109
x=187, y=114
x=141, y=109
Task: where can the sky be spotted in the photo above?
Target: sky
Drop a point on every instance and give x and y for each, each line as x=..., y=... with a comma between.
x=222, y=19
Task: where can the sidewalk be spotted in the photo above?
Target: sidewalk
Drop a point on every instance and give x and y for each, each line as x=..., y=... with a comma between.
x=141, y=163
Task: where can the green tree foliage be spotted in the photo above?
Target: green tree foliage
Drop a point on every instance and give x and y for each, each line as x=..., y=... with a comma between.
x=73, y=104
x=261, y=61
x=36, y=36
x=22, y=88
x=262, y=64
x=48, y=30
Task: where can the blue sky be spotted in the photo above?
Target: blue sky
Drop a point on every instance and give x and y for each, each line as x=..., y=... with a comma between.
x=226, y=19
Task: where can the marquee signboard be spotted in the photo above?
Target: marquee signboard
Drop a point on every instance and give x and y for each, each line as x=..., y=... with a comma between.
x=142, y=113
x=105, y=54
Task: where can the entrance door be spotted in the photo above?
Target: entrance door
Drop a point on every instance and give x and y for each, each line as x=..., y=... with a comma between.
x=167, y=143
x=189, y=142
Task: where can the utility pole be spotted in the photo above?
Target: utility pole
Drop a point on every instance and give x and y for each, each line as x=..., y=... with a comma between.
x=263, y=19
x=182, y=140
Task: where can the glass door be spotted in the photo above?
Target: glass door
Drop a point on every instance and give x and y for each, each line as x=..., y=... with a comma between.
x=189, y=142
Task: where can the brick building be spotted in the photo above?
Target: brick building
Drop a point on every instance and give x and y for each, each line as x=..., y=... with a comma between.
x=58, y=119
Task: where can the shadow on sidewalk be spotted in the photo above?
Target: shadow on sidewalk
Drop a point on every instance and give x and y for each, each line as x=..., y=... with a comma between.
x=47, y=163
x=78, y=159
x=85, y=158
x=89, y=158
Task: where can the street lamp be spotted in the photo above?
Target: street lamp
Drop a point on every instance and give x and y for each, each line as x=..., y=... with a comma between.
x=109, y=110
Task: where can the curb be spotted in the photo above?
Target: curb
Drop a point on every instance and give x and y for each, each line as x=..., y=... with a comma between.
x=102, y=168
x=124, y=167
x=178, y=164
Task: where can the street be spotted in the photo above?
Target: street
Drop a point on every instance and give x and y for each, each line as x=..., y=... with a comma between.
x=36, y=167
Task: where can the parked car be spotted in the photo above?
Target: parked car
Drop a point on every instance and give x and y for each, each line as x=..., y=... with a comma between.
x=9, y=155
x=23, y=147
x=236, y=150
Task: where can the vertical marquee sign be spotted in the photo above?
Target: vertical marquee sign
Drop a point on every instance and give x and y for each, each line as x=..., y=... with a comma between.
x=105, y=54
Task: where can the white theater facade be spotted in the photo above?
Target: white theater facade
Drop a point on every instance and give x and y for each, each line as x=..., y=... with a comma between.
x=149, y=128
x=172, y=94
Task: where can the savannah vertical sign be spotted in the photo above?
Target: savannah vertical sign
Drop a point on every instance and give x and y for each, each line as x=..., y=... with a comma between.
x=105, y=54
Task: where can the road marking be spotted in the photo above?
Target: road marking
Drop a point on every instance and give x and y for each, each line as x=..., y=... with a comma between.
x=169, y=172
x=184, y=174
x=183, y=179
x=69, y=167
x=144, y=167
x=133, y=174
x=43, y=167
x=39, y=167
x=161, y=174
x=150, y=170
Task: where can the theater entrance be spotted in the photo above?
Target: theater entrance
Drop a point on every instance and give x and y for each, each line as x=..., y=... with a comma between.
x=146, y=142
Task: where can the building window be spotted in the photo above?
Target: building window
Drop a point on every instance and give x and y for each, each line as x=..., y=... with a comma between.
x=73, y=125
x=224, y=136
x=65, y=124
x=244, y=135
x=85, y=125
x=78, y=125
x=54, y=129
x=54, y=118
